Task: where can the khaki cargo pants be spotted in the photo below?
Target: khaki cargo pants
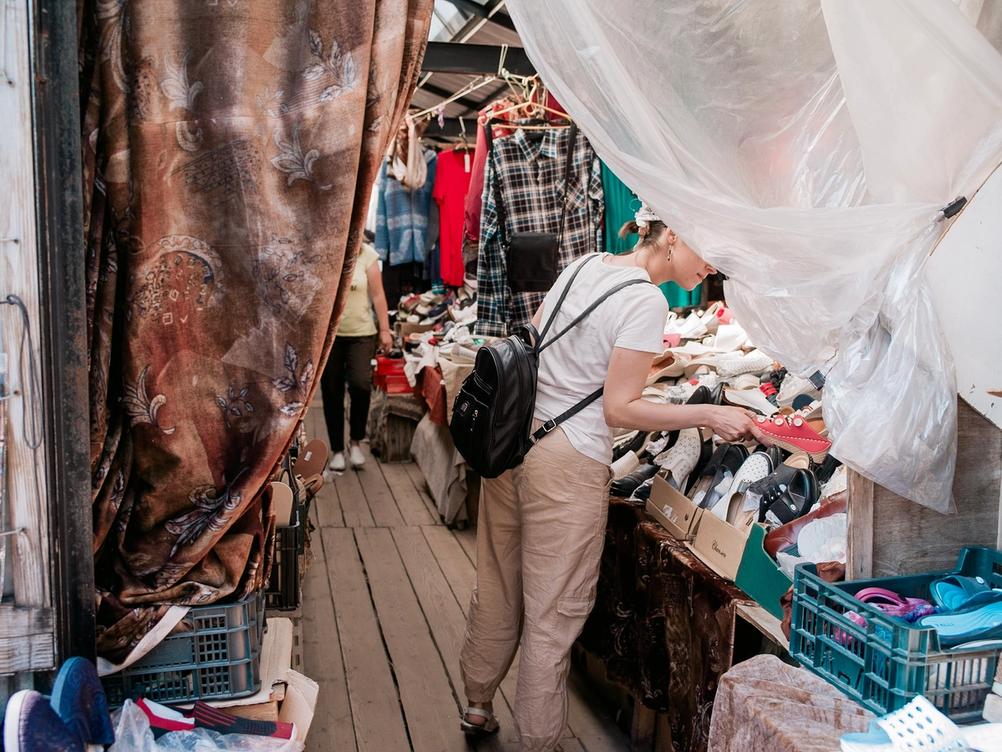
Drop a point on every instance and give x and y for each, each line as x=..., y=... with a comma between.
x=539, y=541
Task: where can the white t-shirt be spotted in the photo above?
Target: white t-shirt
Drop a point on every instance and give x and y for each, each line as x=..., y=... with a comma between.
x=578, y=363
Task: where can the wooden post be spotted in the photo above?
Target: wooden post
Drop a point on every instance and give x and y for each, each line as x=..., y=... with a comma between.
x=859, y=553
x=27, y=487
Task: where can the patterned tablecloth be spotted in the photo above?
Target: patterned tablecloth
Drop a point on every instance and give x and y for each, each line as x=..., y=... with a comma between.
x=663, y=623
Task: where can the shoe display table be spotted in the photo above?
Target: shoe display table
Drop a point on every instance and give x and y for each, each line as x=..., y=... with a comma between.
x=664, y=628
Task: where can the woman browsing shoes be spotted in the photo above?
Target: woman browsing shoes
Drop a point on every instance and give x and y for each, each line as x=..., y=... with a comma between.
x=542, y=525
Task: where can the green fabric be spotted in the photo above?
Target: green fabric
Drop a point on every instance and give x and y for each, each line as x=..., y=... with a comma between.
x=621, y=205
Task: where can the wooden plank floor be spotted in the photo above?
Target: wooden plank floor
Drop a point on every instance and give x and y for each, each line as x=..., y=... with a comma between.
x=384, y=604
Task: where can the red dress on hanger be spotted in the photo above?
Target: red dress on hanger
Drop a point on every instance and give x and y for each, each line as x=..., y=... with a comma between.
x=452, y=181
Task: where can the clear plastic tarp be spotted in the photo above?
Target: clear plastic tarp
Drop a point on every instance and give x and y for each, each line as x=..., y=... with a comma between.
x=805, y=149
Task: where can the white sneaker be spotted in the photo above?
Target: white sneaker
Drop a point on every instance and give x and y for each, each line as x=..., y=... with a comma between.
x=337, y=463
x=357, y=458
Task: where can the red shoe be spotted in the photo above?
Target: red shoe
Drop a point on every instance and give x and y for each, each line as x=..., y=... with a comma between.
x=162, y=719
x=793, y=434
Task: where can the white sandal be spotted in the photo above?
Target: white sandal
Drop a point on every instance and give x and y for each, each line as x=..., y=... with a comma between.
x=919, y=726
x=489, y=726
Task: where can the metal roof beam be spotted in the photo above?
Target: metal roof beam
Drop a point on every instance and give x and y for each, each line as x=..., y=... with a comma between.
x=484, y=11
x=452, y=57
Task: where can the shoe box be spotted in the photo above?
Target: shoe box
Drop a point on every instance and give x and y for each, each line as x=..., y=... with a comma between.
x=734, y=553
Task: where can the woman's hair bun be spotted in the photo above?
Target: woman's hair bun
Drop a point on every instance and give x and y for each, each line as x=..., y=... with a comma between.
x=631, y=228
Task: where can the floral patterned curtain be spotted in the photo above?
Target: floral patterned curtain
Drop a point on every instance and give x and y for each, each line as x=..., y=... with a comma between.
x=229, y=150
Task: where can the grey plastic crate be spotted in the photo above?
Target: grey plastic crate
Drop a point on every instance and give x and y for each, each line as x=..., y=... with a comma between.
x=216, y=656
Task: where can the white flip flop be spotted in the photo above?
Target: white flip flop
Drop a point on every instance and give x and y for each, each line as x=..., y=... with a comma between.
x=920, y=726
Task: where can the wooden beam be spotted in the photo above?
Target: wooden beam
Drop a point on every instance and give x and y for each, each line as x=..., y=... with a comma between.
x=859, y=554
x=57, y=162
x=482, y=11
x=452, y=57
x=23, y=622
x=28, y=551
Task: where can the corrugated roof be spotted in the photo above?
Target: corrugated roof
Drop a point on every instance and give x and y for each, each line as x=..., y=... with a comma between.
x=474, y=29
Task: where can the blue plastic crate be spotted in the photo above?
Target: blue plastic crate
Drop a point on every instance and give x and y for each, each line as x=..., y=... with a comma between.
x=216, y=655
x=888, y=662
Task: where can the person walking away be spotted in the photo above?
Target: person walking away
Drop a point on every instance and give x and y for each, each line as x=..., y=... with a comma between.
x=350, y=361
x=542, y=525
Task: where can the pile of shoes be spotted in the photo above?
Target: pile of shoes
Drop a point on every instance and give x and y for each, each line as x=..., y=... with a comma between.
x=709, y=359
x=76, y=717
x=436, y=307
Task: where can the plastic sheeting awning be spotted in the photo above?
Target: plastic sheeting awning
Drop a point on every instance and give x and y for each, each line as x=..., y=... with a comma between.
x=806, y=150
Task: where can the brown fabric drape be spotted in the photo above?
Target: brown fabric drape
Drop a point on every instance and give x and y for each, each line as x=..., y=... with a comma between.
x=229, y=151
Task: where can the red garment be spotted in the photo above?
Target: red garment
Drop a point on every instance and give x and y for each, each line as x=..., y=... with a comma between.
x=452, y=181
x=475, y=193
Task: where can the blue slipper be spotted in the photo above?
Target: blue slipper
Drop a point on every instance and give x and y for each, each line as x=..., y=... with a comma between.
x=31, y=725
x=975, y=623
x=78, y=698
x=953, y=591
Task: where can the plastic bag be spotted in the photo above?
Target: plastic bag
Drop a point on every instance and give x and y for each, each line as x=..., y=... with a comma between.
x=806, y=150
x=133, y=734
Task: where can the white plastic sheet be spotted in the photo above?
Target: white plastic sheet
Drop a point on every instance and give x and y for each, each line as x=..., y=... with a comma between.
x=805, y=149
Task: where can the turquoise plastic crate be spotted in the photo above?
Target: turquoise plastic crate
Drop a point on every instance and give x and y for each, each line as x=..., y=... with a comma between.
x=888, y=662
x=216, y=656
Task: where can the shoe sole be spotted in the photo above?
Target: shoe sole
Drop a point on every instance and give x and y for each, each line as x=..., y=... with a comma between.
x=12, y=722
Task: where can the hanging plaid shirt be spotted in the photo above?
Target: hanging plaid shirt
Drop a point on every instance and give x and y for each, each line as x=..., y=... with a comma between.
x=402, y=217
x=530, y=175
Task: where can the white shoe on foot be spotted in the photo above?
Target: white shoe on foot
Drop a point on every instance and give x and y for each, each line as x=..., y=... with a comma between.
x=338, y=463
x=357, y=458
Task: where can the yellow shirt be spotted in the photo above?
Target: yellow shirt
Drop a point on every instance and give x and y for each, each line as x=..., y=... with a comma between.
x=358, y=319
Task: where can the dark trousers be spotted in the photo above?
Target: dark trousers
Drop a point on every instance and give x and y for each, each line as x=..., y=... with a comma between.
x=349, y=363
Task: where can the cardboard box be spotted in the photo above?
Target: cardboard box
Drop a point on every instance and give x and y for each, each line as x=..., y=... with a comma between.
x=736, y=554
x=673, y=510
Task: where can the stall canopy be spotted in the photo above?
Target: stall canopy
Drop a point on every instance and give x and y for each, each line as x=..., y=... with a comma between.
x=807, y=150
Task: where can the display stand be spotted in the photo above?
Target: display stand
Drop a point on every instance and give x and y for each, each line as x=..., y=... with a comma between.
x=664, y=628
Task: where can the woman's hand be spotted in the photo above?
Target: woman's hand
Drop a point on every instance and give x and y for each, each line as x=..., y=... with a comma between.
x=385, y=341
x=732, y=423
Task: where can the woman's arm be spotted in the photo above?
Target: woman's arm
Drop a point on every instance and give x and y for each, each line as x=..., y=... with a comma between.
x=624, y=407
x=378, y=297
x=537, y=318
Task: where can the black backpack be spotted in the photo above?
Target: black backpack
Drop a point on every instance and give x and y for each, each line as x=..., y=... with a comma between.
x=492, y=416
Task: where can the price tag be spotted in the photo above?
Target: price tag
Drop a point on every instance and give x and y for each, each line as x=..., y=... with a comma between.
x=466, y=161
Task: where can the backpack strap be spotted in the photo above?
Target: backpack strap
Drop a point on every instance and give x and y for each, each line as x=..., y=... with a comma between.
x=551, y=424
x=587, y=310
x=560, y=300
